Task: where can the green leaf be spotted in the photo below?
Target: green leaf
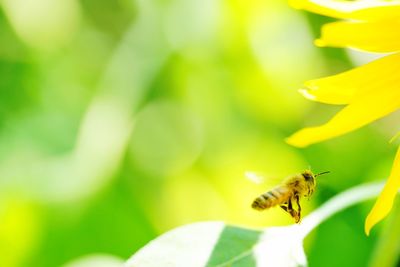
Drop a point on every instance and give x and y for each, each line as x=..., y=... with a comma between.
x=234, y=247
x=215, y=244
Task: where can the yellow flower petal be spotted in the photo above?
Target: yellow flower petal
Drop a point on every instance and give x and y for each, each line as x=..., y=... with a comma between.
x=364, y=110
x=378, y=36
x=358, y=10
x=384, y=203
x=347, y=87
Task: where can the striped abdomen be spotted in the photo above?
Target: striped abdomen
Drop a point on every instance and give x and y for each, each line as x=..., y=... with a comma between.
x=276, y=196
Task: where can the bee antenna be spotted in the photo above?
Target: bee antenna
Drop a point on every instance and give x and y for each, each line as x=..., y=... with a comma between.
x=318, y=174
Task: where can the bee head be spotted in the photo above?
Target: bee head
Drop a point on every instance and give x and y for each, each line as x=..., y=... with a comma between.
x=309, y=176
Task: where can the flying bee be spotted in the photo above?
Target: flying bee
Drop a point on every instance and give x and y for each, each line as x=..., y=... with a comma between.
x=289, y=191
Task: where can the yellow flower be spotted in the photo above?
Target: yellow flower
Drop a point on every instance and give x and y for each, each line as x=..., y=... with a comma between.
x=369, y=92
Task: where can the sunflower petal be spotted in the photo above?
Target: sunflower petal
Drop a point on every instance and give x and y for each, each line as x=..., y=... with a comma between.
x=378, y=36
x=364, y=110
x=384, y=203
x=358, y=10
x=347, y=87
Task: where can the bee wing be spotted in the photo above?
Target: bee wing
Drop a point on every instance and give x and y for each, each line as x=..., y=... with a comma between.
x=258, y=178
x=254, y=177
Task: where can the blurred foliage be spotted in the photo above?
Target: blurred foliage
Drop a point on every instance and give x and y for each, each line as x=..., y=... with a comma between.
x=122, y=119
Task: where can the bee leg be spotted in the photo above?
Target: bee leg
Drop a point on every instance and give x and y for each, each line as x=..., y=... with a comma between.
x=298, y=209
x=289, y=209
x=310, y=192
x=284, y=208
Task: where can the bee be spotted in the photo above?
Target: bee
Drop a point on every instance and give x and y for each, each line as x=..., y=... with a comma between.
x=289, y=191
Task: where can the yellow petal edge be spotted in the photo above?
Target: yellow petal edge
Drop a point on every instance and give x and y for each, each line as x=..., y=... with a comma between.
x=378, y=36
x=346, y=87
x=362, y=111
x=384, y=203
x=358, y=10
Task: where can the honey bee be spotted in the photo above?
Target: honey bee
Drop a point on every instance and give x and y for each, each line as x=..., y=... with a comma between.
x=289, y=191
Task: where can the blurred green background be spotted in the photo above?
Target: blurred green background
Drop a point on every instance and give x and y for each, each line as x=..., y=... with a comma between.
x=120, y=120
